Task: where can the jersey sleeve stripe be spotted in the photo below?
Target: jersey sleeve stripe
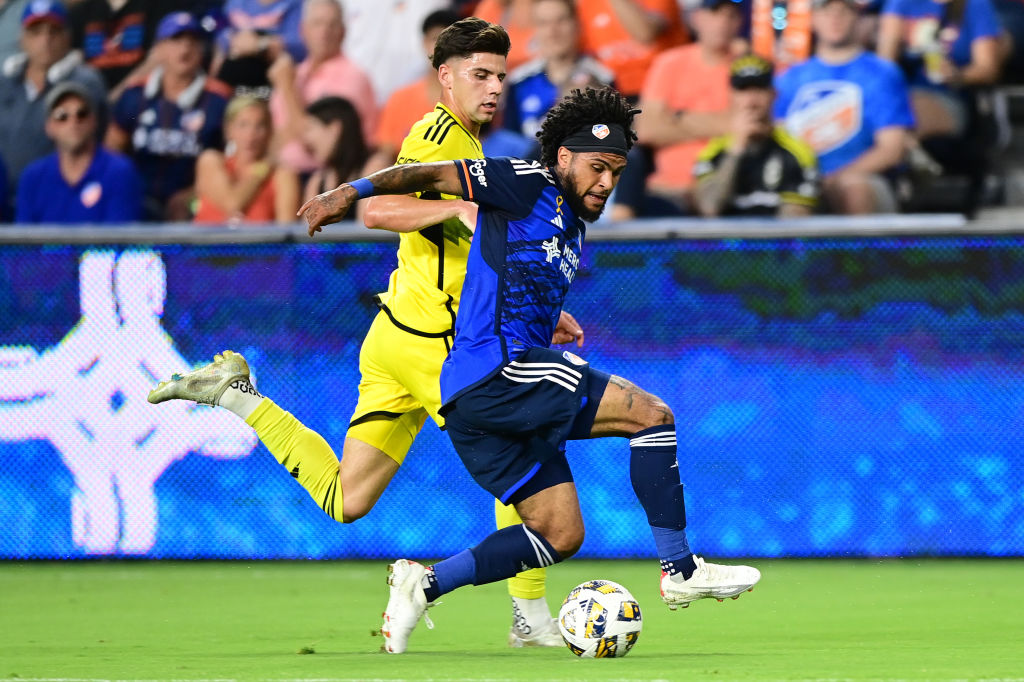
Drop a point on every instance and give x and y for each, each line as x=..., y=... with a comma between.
x=466, y=180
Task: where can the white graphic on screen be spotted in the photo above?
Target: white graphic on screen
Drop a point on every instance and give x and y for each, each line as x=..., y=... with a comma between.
x=87, y=396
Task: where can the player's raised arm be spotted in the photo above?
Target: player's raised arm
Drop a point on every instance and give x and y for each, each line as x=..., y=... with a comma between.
x=330, y=207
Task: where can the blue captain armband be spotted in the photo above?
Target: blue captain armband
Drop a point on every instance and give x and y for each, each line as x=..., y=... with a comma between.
x=364, y=188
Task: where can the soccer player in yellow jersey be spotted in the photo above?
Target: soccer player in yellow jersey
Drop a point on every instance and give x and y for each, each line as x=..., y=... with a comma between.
x=401, y=357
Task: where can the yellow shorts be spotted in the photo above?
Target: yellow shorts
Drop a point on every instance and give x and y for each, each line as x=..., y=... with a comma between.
x=399, y=388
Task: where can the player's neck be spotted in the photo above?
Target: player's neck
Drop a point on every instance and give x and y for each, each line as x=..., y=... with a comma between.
x=469, y=124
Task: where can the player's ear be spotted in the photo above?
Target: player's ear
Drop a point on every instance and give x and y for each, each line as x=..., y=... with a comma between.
x=444, y=74
x=564, y=158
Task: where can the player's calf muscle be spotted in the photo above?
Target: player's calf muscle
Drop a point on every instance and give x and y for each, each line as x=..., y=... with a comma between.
x=625, y=409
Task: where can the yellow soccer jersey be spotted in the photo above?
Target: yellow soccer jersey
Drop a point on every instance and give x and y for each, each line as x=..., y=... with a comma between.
x=423, y=293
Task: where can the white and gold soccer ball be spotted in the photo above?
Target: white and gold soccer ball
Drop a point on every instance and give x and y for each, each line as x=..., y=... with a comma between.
x=600, y=619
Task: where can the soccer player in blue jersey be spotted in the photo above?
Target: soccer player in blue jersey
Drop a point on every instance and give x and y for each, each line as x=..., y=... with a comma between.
x=510, y=401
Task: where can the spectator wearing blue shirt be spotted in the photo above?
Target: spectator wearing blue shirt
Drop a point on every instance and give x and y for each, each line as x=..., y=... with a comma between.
x=852, y=108
x=948, y=48
x=26, y=77
x=81, y=182
x=535, y=87
x=168, y=118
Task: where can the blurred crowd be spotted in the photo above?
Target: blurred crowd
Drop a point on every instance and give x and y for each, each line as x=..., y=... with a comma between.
x=237, y=111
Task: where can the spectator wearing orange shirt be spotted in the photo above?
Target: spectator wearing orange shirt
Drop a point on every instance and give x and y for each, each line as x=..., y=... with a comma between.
x=242, y=185
x=407, y=105
x=684, y=98
x=626, y=35
x=515, y=16
x=325, y=71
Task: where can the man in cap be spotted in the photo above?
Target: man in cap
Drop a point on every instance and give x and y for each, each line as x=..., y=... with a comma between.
x=853, y=108
x=81, y=182
x=45, y=60
x=168, y=118
x=757, y=168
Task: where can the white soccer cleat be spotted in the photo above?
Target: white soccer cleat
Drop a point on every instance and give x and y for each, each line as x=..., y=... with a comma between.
x=546, y=635
x=406, y=605
x=709, y=580
x=204, y=385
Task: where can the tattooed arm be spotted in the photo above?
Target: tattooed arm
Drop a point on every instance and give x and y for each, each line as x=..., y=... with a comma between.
x=330, y=207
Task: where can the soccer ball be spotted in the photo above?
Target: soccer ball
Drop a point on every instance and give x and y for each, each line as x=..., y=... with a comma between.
x=600, y=619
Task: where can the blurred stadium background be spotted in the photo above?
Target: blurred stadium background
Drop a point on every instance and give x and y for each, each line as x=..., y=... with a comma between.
x=843, y=388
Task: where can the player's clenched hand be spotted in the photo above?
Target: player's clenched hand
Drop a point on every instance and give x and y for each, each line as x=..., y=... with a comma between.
x=466, y=212
x=567, y=330
x=326, y=208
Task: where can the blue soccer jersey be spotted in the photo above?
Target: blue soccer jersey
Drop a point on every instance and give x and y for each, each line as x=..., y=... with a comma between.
x=524, y=256
x=109, y=192
x=838, y=108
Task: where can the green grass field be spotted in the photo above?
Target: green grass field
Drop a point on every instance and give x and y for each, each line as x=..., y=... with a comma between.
x=933, y=619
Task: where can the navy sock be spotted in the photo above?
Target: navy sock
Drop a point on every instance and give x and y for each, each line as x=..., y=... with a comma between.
x=447, y=575
x=654, y=473
x=501, y=555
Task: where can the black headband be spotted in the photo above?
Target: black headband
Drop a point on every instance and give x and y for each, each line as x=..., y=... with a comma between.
x=608, y=138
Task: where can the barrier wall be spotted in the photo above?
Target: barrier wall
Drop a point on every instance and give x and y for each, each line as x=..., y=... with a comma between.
x=835, y=397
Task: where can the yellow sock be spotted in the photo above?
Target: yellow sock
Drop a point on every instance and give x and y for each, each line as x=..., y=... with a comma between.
x=303, y=452
x=528, y=584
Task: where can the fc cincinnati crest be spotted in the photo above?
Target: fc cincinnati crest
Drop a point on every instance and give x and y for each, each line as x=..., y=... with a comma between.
x=600, y=131
x=91, y=194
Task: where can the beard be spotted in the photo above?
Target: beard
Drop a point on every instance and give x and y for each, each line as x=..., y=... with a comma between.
x=575, y=199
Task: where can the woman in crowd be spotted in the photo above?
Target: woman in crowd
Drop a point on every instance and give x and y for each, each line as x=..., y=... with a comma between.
x=332, y=135
x=242, y=184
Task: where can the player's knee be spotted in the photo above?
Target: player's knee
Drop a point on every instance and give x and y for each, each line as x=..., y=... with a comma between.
x=566, y=539
x=656, y=412
x=355, y=507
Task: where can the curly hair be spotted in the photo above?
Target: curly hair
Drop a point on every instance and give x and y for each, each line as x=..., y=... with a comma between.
x=584, y=108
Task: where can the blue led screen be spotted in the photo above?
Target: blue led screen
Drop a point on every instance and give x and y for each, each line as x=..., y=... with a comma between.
x=854, y=397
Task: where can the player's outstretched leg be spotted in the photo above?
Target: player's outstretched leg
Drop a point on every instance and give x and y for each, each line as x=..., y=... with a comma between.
x=626, y=410
x=207, y=384
x=303, y=452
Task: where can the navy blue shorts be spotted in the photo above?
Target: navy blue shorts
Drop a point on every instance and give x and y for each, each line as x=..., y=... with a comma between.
x=510, y=431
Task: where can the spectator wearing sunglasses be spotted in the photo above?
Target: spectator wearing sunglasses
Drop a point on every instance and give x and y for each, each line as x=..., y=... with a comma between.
x=44, y=60
x=81, y=182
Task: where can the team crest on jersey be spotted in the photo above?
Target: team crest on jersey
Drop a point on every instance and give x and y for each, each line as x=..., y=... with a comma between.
x=91, y=194
x=193, y=120
x=600, y=131
x=573, y=358
x=826, y=114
